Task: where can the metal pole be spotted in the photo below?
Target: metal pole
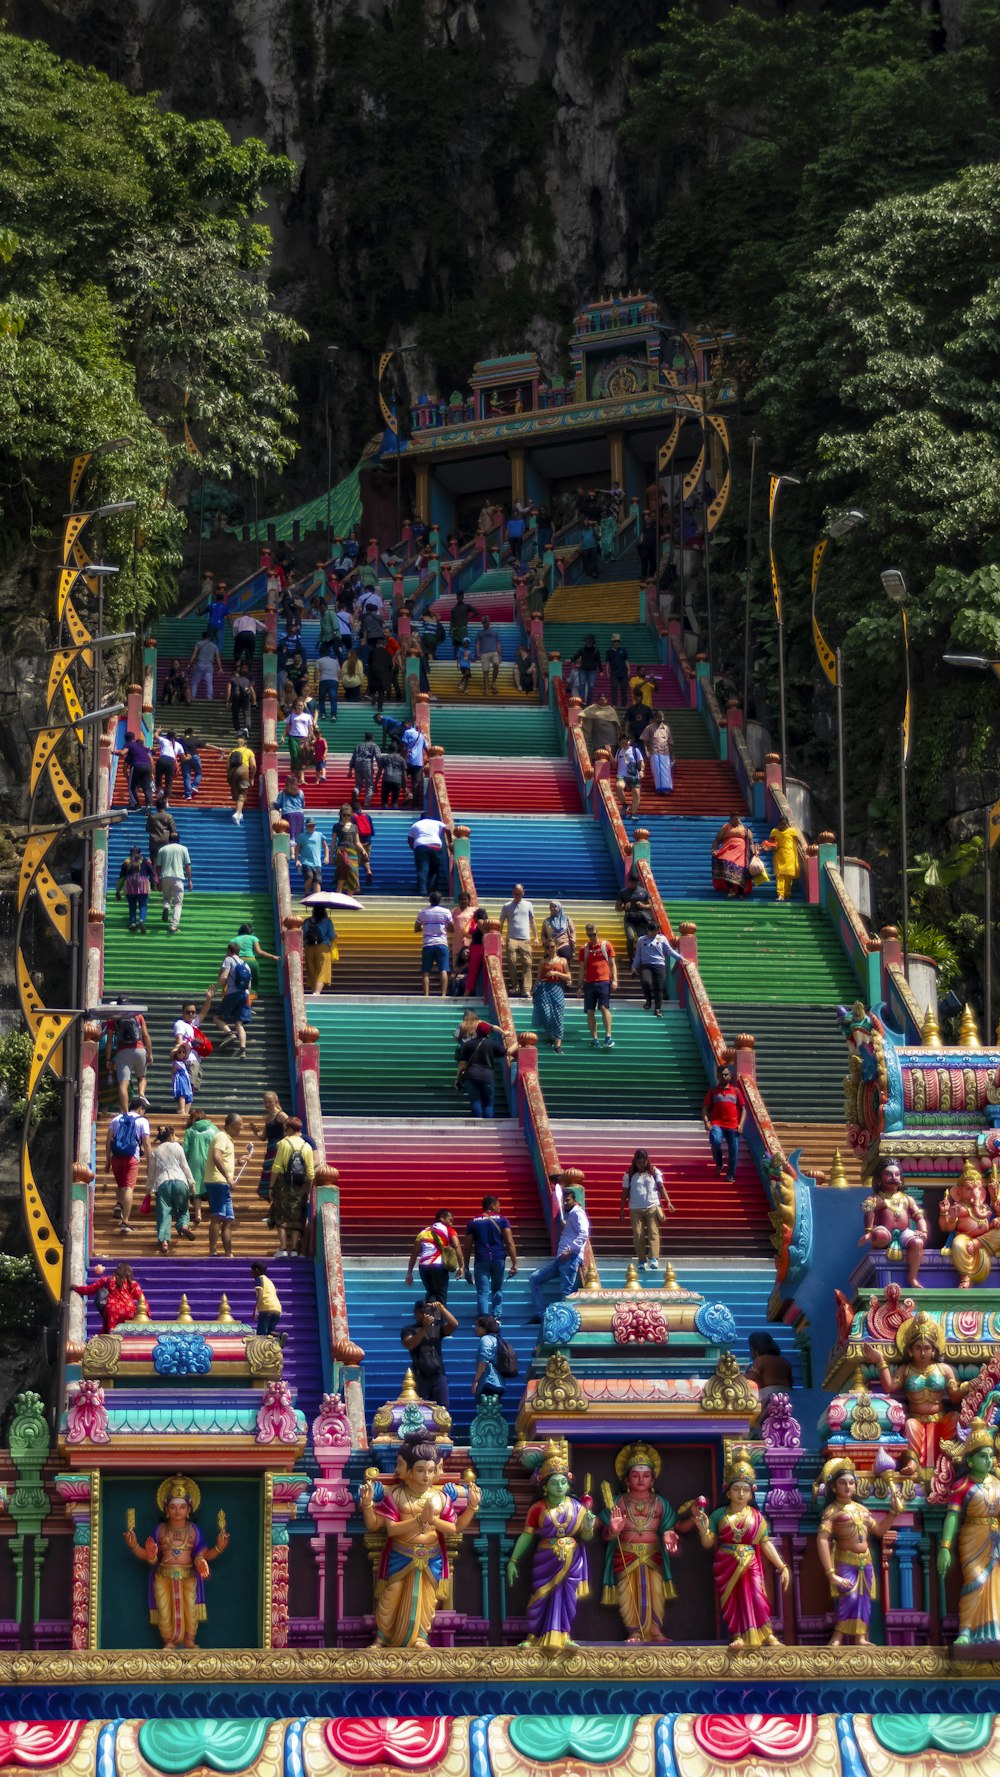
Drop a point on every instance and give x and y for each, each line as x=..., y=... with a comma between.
x=680, y=545
x=841, y=791
x=781, y=644
x=754, y=441
x=329, y=465
x=201, y=525
x=904, y=867
x=399, y=491
x=705, y=535
x=988, y=935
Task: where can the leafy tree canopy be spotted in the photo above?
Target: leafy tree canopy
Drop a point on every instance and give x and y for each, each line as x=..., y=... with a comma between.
x=133, y=301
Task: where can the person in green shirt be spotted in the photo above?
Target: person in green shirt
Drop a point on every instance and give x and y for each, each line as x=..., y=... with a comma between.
x=198, y=1138
x=251, y=949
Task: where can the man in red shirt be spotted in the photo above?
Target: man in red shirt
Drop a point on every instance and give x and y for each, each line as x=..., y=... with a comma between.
x=724, y=1114
x=598, y=975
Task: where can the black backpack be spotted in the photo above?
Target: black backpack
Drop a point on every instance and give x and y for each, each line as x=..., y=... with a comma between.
x=127, y=1032
x=298, y=1174
x=506, y=1358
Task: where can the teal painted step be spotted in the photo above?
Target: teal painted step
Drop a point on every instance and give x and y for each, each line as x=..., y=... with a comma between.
x=654, y=1070
x=176, y=636
x=568, y=638
x=506, y=731
x=565, y=857
x=378, y=1307
x=186, y=961
x=783, y=954
x=494, y=580
x=801, y=1057
x=354, y=721
x=680, y=852
x=221, y=852
x=392, y=1056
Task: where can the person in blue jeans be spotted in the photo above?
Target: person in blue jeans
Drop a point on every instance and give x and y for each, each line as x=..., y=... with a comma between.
x=190, y=761
x=480, y=1046
x=487, y=1246
x=267, y=1307
x=587, y=661
x=487, y=1379
x=724, y=1114
x=568, y=1256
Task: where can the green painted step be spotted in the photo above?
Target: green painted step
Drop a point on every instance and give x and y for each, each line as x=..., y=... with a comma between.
x=786, y=954
x=186, y=961
x=654, y=1070
x=801, y=1058
x=691, y=737
x=637, y=638
x=503, y=732
x=354, y=721
x=391, y=1057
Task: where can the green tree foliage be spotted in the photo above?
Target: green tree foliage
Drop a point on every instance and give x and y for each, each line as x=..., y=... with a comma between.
x=133, y=301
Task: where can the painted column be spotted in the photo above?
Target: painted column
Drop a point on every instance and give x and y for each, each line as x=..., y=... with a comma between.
x=422, y=491
x=331, y=1507
x=489, y=1441
x=517, y=477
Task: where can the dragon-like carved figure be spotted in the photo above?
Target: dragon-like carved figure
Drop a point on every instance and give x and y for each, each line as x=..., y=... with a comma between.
x=873, y=1086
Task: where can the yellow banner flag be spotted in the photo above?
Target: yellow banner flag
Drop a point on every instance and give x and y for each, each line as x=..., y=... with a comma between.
x=824, y=652
x=994, y=824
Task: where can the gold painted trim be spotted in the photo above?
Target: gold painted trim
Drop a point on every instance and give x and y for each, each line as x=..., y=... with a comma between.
x=267, y=1576
x=604, y=1665
x=95, y=1558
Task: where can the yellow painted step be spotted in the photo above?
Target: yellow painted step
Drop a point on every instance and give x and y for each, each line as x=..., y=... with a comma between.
x=610, y=601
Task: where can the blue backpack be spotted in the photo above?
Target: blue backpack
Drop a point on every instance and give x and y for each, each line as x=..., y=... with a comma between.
x=240, y=976
x=125, y=1136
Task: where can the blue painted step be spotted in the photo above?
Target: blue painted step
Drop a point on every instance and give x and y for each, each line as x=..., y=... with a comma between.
x=566, y=858
x=224, y=858
x=680, y=851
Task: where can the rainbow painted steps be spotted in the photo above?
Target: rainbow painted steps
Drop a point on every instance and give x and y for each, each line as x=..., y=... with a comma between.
x=391, y=1056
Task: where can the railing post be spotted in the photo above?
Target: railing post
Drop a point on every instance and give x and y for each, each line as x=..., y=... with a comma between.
x=602, y=773
x=745, y=1056
x=826, y=853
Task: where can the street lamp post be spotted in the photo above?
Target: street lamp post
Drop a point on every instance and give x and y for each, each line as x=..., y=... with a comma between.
x=755, y=443
x=895, y=588
x=331, y=352
x=777, y=482
x=830, y=661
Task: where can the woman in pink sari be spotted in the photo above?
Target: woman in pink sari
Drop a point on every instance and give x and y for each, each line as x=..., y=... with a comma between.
x=731, y=853
x=740, y=1536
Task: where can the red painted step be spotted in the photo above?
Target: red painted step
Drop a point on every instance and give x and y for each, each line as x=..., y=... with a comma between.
x=395, y=1173
x=701, y=787
x=713, y=1217
x=214, y=789
x=508, y=786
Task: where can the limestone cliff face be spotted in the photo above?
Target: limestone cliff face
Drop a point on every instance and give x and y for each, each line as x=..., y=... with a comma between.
x=461, y=185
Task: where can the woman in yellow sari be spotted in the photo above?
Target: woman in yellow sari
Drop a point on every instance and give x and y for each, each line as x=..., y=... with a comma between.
x=975, y=1505
x=416, y=1516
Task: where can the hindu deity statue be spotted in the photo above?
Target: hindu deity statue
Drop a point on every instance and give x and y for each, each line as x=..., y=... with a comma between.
x=894, y=1219
x=974, y=1512
x=843, y=1542
x=641, y=1538
x=740, y=1537
x=178, y=1556
x=417, y=1514
x=930, y=1387
x=967, y=1214
x=561, y=1525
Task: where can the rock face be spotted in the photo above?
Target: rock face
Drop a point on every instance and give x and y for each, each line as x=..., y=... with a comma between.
x=462, y=188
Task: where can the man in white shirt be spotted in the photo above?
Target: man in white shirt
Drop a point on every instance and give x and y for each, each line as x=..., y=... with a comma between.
x=568, y=1257
x=517, y=921
x=428, y=838
x=245, y=630
x=488, y=655
x=434, y=923
x=414, y=744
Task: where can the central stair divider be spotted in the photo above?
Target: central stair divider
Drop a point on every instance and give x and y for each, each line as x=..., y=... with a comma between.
x=341, y=1369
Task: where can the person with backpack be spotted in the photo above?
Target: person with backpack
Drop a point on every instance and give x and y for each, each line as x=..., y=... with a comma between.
x=496, y=1360
x=477, y=1053
x=291, y=1181
x=362, y=764
x=437, y=1255
x=240, y=696
x=130, y=1053
x=251, y=950
x=598, y=978
x=487, y=1246
x=199, y=1137
x=136, y=878
x=127, y=1139
x=170, y=1181
x=118, y=1300
x=390, y=775
x=432, y=1322
x=235, y=1010
x=241, y=769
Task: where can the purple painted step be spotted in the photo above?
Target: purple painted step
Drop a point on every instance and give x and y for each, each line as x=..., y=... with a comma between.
x=203, y=1281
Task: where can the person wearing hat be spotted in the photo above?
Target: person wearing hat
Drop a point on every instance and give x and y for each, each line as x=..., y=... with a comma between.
x=616, y=661
x=598, y=976
x=311, y=851
x=241, y=769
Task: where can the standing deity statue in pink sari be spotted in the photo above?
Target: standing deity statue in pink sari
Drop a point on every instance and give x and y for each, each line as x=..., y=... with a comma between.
x=740, y=1537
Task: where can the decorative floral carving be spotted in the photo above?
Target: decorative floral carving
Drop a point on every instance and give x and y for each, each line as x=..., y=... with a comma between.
x=728, y=1390
x=734, y=1738
x=182, y=1354
x=276, y=1421
x=561, y=1323
x=279, y=1590
x=887, y=1313
x=558, y=1391
x=87, y=1416
x=264, y=1358
x=714, y=1321
x=409, y=1743
x=779, y=1430
x=639, y=1323
x=38, y=1745
x=101, y=1355
x=331, y=1426
x=80, y=1606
